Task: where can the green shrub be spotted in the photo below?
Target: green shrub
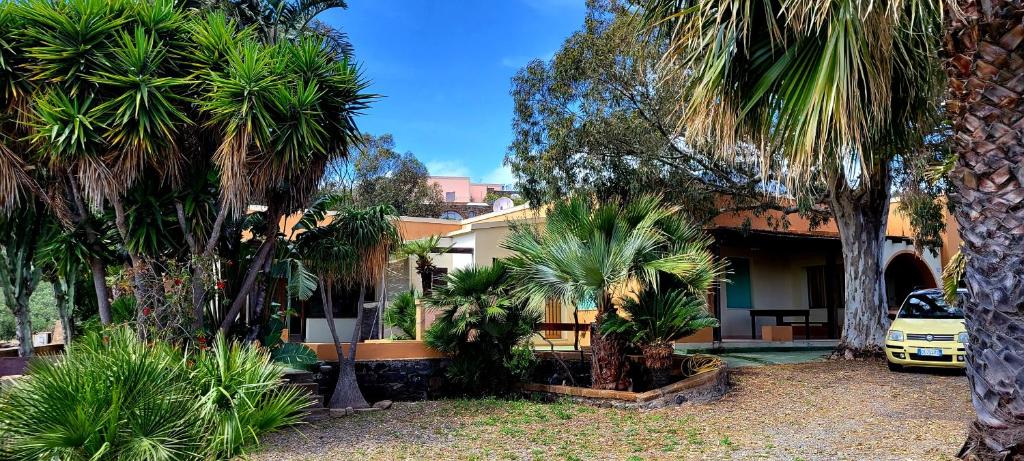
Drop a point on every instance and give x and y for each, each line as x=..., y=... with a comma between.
x=401, y=314
x=115, y=397
x=482, y=329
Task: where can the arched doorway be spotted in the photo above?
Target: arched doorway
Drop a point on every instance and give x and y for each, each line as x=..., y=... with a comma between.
x=905, y=273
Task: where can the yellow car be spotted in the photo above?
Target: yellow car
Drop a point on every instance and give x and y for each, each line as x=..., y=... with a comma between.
x=927, y=332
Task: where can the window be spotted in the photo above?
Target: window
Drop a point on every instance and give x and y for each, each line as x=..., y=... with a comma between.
x=737, y=291
x=344, y=303
x=449, y=196
x=818, y=295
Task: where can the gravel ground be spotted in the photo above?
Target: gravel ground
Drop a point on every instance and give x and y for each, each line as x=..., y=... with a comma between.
x=813, y=411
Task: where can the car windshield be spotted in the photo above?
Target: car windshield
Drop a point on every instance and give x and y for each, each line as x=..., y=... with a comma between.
x=930, y=306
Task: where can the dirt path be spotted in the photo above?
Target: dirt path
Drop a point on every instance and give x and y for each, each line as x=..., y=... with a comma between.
x=813, y=411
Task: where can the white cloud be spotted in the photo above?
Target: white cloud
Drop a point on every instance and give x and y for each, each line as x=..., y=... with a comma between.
x=500, y=175
x=446, y=168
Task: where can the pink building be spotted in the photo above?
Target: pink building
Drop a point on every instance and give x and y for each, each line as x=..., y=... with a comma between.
x=465, y=198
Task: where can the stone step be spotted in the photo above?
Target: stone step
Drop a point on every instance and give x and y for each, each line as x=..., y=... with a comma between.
x=311, y=388
x=298, y=376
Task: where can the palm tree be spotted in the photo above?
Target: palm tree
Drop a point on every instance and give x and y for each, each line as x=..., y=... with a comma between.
x=599, y=252
x=480, y=326
x=654, y=319
x=423, y=250
x=837, y=88
x=984, y=45
x=352, y=250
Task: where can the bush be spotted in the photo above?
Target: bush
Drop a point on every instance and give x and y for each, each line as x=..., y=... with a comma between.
x=483, y=330
x=401, y=314
x=114, y=397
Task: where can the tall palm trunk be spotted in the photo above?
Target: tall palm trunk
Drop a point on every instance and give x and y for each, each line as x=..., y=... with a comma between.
x=861, y=215
x=986, y=61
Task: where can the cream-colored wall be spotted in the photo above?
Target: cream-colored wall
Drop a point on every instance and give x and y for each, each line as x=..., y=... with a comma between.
x=778, y=280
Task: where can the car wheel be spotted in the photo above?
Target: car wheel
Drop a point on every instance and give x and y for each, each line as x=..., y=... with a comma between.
x=894, y=366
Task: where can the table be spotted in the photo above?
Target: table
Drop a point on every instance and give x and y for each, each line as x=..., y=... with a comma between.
x=779, y=314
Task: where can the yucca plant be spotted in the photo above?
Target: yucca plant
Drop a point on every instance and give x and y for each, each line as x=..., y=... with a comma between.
x=654, y=319
x=482, y=328
x=401, y=314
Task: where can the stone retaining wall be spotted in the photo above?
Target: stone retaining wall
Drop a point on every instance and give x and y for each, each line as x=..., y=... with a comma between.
x=398, y=380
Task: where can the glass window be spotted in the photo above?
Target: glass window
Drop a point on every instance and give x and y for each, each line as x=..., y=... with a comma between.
x=449, y=196
x=929, y=305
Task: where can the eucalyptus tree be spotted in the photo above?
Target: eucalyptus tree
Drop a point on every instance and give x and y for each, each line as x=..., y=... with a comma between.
x=600, y=117
x=838, y=89
x=594, y=253
x=351, y=251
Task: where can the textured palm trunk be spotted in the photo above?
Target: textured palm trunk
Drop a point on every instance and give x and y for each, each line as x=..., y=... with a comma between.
x=608, y=353
x=861, y=215
x=658, y=359
x=985, y=65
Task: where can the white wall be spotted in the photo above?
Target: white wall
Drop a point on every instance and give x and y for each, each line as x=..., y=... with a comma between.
x=317, y=330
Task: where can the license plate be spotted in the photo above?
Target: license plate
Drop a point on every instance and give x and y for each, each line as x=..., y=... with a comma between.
x=929, y=352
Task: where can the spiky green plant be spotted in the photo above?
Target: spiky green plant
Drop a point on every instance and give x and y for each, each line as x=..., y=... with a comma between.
x=481, y=327
x=240, y=391
x=116, y=397
x=654, y=319
x=401, y=314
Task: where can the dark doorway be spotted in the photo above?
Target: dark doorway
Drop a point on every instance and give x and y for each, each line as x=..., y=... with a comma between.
x=905, y=273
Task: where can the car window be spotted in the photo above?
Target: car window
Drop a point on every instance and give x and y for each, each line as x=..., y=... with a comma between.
x=930, y=306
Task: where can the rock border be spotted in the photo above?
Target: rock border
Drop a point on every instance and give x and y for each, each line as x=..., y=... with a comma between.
x=702, y=387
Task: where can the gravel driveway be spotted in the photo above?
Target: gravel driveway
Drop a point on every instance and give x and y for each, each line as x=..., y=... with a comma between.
x=812, y=411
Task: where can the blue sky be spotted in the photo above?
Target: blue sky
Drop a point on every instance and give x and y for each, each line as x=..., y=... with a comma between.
x=445, y=69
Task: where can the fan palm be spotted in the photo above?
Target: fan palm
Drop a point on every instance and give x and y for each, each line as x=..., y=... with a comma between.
x=837, y=88
x=352, y=250
x=423, y=250
x=480, y=325
x=588, y=251
x=984, y=46
x=656, y=318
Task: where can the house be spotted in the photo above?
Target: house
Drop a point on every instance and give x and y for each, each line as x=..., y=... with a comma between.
x=463, y=198
x=792, y=275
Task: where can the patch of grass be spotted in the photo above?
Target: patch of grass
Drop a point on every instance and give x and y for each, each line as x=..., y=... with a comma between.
x=725, y=441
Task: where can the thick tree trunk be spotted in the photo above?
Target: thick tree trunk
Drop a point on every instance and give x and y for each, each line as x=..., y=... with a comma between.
x=986, y=60
x=99, y=284
x=861, y=215
x=23, y=330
